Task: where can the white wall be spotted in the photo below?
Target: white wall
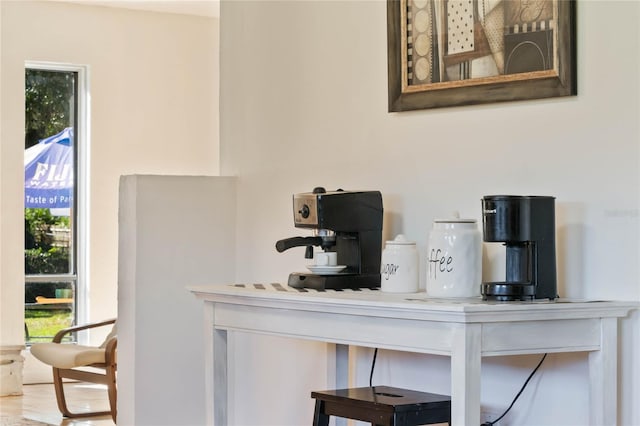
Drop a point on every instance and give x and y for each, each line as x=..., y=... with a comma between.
x=304, y=103
x=153, y=97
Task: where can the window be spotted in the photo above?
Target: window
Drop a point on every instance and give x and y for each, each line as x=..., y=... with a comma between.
x=55, y=283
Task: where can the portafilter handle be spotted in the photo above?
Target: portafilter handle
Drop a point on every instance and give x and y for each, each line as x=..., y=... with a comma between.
x=309, y=242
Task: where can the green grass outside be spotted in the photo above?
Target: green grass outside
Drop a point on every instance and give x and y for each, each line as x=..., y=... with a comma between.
x=42, y=325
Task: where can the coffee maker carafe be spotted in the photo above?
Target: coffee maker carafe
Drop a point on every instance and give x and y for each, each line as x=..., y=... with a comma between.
x=526, y=226
x=347, y=222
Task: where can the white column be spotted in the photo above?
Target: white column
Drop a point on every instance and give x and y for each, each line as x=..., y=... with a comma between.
x=11, y=223
x=175, y=231
x=11, y=363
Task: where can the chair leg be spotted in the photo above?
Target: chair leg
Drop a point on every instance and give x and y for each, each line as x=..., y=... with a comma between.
x=113, y=392
x=62, y=403
x=57, y=384
x=319, y=416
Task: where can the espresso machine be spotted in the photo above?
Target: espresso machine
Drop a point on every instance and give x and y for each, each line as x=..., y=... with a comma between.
x=346, y=222
x=526, y=226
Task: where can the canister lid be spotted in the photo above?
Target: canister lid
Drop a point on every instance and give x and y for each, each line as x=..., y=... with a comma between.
x=401, y=240
x=455, y=218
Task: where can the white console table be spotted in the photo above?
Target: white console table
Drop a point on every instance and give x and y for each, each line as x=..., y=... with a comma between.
x=464, y=329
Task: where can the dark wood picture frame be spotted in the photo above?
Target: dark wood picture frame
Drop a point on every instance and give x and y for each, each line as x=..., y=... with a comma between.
x=526, y=81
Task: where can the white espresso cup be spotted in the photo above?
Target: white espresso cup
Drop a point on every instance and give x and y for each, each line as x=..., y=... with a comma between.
x=326, y=258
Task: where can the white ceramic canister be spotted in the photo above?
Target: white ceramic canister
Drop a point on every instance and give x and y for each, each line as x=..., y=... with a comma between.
x=399, y=269
x=454, y=258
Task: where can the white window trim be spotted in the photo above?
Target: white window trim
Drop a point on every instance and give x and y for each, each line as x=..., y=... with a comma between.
x=82, y=138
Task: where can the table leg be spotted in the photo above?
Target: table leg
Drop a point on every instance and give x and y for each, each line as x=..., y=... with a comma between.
x=603, y=375
x=216, y=367
x=342, y=374
x=220, y=381
x=342, y=366
x=466, y=357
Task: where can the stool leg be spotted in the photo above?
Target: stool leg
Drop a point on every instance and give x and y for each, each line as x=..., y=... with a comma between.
x=319, y=417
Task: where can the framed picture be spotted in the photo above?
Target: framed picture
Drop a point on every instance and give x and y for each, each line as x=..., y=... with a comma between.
x=464, y=52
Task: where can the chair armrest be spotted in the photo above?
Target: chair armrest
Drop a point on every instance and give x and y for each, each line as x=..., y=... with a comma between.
x=110, y=351
x=60, y=334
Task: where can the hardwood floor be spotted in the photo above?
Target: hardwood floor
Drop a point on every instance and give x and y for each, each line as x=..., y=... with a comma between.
x=38, y=402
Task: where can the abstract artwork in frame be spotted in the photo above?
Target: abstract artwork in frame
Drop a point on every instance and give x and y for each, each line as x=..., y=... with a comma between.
x=463, y=52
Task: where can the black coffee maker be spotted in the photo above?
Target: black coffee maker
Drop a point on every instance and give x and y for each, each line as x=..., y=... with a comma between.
x=526, y=225
x=347, y=222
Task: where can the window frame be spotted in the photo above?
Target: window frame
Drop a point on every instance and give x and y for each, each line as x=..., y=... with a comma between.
x=81, y=252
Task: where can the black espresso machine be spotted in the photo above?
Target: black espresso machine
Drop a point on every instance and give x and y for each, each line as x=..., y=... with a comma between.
x=526, y=226
x=347, y=222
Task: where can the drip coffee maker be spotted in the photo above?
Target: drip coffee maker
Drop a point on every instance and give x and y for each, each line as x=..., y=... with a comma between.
x=526, y=226
x=346, y=222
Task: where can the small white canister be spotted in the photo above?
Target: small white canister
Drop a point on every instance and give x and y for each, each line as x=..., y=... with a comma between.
x=399, y=269
x=454, y=258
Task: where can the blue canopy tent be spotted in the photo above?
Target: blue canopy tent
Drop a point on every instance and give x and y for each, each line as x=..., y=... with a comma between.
x=48, y=172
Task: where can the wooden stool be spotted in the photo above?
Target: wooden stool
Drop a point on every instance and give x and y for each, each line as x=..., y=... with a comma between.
x=382, y=405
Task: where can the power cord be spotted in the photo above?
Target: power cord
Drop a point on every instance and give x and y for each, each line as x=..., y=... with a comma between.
x=373, y=365
x=488, y=423
x=491, y=423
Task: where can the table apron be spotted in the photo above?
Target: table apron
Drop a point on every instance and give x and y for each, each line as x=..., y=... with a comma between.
x=411, y=335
